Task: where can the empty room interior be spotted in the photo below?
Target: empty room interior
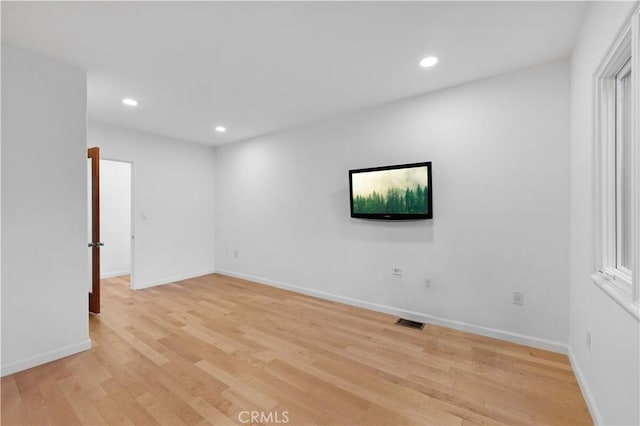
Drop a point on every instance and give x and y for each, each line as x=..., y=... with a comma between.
x=320, y=213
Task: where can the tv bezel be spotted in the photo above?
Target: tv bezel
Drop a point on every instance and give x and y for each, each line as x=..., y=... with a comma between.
x=394, y=216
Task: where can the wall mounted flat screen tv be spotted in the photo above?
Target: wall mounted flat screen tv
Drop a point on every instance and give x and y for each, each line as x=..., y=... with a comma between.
x=399, y=192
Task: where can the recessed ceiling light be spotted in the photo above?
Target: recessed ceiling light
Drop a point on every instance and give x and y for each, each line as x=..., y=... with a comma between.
x=429, y=61
x=130, y=102
x=221, y=129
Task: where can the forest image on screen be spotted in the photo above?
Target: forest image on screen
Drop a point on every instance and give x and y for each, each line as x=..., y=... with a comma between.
x=400, y=191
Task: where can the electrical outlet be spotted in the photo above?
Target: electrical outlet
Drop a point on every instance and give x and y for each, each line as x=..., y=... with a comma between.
x=396, y=271
x=427, y=282
x=518, y=297
x=235, y=253
x=588, y=338
x=226, y=252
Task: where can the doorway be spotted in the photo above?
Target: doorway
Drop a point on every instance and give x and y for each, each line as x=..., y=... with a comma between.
x=116, y=225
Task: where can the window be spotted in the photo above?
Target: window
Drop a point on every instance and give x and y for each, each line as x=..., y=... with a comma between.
x=623, y=170
x=617, y=170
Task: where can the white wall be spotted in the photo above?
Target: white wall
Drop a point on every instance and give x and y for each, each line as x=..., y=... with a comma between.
x=44, y=225
x=609, y=373
x=500, y=153
x=173, y=185
x=115, y=218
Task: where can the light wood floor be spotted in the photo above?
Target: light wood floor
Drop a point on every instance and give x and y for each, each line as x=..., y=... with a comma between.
x=213, y=349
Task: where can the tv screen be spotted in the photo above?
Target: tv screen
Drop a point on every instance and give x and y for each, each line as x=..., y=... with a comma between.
x=399, y=192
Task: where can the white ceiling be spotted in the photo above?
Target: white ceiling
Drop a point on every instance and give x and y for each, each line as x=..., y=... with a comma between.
x=259, y=67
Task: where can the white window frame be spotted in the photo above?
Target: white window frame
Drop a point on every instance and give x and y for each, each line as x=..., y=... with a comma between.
x=617, y=281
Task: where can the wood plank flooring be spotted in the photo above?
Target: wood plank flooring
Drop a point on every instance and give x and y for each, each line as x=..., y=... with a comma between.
x=219, y=350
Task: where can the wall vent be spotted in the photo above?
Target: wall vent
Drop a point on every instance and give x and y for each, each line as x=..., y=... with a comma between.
x=411, y=324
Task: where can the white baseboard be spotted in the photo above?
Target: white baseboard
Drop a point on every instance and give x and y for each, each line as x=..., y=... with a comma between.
x=415, y=316
x=586, y=391
x=44, y=358
x=147, y=284
x=114, y=274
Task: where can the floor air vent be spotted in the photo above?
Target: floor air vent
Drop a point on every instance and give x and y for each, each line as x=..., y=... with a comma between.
x=411, y=324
